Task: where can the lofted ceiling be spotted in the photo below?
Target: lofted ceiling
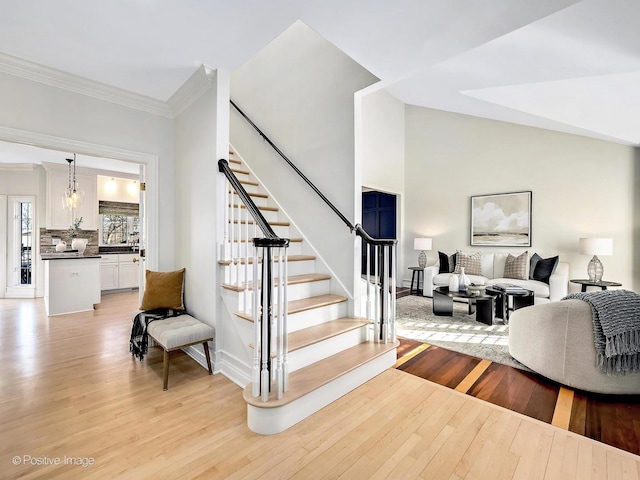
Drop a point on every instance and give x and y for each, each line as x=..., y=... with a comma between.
x=565, y=65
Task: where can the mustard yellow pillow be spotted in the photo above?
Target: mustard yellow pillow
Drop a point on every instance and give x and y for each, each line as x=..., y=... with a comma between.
x=163, y=290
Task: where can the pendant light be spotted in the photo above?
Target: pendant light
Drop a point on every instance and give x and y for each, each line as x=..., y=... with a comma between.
x=72, y=198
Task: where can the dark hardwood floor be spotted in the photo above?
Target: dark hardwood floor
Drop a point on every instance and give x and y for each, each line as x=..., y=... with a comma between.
x=610, y=419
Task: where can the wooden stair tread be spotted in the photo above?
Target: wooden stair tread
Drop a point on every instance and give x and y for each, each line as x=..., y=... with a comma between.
x=275, y=224
x=308, y=379
x=267, y=209
x=248, y=182
x=317, y=333
x=291, y=240
x=240, y=171
x=292, y=280
x=253, y=194
x=290, y=258
x=302, y=305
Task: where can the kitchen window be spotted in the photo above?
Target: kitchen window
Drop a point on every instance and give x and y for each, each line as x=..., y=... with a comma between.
x=119, y=223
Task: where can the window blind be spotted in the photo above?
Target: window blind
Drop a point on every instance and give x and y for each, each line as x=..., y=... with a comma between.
x=118, y=208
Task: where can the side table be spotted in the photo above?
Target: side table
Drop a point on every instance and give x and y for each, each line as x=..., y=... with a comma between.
x=417, y=272
x=602, y=284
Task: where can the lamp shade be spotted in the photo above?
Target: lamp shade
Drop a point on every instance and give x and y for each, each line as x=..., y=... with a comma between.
x=422, y=243
x=596, y=246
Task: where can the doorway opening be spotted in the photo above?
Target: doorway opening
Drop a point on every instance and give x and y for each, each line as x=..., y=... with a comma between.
x=379, y=219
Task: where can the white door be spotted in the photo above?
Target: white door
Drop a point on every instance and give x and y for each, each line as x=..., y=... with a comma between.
x=142, y=235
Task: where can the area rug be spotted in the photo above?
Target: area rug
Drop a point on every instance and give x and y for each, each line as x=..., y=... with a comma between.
x=461, y=333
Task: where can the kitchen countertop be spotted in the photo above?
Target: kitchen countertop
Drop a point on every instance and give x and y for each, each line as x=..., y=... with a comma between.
x=66, y=256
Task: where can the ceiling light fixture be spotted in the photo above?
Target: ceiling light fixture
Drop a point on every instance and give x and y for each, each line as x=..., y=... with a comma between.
x=72, y=198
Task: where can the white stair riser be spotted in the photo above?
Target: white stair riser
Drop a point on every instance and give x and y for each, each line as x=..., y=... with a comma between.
x=321, y=350
x=316, y=316
x=240, y=248
x=259, y=201
x=241, y=233
x=294, y=292
x=269, y=421
x=269, y=216
x=294, y=268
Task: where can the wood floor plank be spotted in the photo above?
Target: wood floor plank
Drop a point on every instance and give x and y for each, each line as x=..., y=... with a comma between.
x=562, y=412
x=72, y=390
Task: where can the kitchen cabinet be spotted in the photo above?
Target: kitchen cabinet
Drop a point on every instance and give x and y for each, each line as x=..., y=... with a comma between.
x=57, y=218
x=119, y=271
x=71, y=283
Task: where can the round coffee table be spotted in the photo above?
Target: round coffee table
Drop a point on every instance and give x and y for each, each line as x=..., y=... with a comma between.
x=481, y=305
x=520, y=298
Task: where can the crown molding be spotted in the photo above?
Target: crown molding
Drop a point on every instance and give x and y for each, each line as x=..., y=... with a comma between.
x=198, y=83
x=83, y=86
x=23, y=167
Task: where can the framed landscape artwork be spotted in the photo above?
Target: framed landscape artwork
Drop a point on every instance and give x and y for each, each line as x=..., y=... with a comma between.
x=502, y=219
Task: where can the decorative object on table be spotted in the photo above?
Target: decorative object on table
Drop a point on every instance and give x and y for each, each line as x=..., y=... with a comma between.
x=454, y=282
x=501, y=219
x=61, y=246
x=72, y=197
x=79, y=244
x=476, y=289
x=422, y=244
x=463, y=281
x=595, y=247
x=74, y=230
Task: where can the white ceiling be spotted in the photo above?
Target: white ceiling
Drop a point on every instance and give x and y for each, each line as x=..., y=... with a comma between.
x=566, y=65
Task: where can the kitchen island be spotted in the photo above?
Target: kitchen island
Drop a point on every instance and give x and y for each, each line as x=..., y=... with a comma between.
x=72, y=282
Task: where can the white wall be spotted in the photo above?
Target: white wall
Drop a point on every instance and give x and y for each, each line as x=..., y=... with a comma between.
x=380, y=146
x=116, y=189
x=581, y=187
x=47, y=110
x=382, y=142
x=198, y=147
x=300, y=91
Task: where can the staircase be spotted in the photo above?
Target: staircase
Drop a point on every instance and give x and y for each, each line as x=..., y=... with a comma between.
x=327, y=353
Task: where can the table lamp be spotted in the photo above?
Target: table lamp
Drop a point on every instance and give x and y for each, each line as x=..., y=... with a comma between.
x=422, y=244
x=595, y=247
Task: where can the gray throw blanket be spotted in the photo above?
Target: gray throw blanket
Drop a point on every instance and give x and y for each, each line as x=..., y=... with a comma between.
x=616, y=328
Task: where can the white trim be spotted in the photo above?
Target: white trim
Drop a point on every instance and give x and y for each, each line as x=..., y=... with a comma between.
x=27, y=167
x=65, y=144
x=202, y=80
x=74, y=83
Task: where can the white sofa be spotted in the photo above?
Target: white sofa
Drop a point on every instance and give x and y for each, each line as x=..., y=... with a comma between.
x=493, y=272
x=556, y=340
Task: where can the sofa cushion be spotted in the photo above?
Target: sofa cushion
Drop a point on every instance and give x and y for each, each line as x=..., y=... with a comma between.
x=516, y=267
x=471, y=262
x=544, y=269
x=535, y=258
x=447, y=262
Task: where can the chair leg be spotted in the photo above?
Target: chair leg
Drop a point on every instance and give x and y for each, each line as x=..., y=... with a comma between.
x=166, y=370
x=208, y=355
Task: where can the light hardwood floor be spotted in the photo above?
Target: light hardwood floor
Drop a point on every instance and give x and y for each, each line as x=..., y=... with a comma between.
x=71, y=389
